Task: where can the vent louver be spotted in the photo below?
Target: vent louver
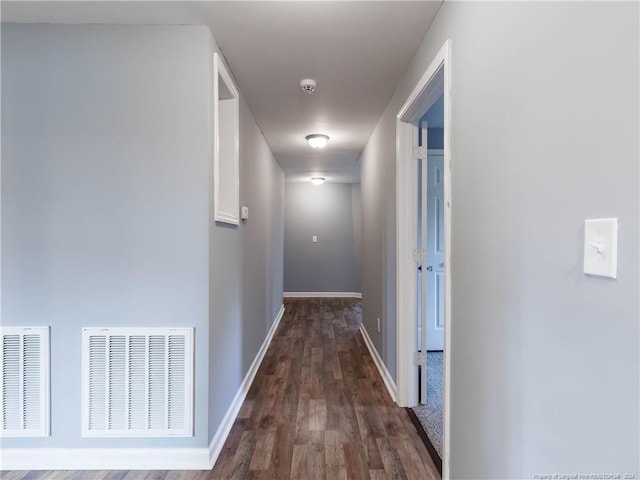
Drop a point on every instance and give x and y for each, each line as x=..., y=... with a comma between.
x=24, y=381
x=137, y=382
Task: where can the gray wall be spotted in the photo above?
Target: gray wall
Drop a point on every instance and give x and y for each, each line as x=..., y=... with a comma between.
x=377, y=180
x=106, y=215
x=544, y=359
x=104, y=196
x=330, y=265
x=246, y=271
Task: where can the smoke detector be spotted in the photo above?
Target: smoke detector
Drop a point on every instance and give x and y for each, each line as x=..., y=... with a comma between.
x=308, y=85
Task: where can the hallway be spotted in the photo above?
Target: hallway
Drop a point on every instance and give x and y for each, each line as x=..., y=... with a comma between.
x=318, y=407
x=172, y=173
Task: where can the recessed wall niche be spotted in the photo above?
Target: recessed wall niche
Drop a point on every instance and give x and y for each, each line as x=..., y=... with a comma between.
x=226, y=145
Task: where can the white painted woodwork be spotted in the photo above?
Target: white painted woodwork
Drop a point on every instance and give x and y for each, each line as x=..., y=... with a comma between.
x=435, y=251
x=226, y=145
x=423, y=278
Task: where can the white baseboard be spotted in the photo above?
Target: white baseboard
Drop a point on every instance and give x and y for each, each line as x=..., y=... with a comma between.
x=139, y=458
x=384, y=373
x=322, y=295
x=217, y=442
x=104, y=459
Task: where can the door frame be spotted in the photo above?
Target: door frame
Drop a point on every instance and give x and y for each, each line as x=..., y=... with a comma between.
x=417, y=103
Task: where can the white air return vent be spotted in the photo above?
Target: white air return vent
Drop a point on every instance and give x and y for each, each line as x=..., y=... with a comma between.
x=24, y=381
x=137, y=382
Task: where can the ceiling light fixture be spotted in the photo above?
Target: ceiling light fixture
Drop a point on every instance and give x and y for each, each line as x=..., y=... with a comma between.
x=317, y=140
x=317, y=180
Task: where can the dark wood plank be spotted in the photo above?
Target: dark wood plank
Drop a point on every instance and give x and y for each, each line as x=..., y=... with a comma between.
x=262, y=453
x=299, y=462
x=355, y=461
x=315, y=461
x=370, y=447
x=317, y=414
x=390, y=459
x=283, y=450
x=334, y=455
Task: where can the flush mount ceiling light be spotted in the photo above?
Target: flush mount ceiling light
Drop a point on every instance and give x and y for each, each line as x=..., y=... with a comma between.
x=317, y=140
x=317, y=180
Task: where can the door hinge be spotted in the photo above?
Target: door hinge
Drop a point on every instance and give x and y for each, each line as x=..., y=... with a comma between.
x=419, y=256
x=419, y=358
x=419, y=153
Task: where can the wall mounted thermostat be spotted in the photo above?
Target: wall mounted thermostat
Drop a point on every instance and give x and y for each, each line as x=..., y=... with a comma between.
x=601, y=247
x=244, y=213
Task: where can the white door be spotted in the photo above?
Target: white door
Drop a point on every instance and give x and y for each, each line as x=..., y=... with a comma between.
x=429, y=173
x=421, y=170
x=433, y=269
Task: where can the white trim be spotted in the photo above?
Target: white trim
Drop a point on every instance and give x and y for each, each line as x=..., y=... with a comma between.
x=406, y=291
x=384, y=373
x=139, y=458
x=232, y=215
x=438, y=73
x=217, y=442
x=447, y=262
x=104, y=459
x=322, y=295
x=420, y=99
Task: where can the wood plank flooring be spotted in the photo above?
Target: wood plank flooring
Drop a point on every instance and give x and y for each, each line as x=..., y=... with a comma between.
x=317, y=410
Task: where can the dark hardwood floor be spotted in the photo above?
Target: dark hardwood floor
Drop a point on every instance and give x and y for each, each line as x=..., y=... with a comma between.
x=317, y=410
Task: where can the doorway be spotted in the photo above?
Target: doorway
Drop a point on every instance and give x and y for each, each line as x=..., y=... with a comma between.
x=424, y=230
x=430, y=273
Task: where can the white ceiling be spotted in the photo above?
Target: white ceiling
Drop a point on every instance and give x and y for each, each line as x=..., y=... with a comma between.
x=355, y=50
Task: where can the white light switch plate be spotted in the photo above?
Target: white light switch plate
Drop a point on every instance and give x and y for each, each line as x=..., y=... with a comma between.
x=314, y=239
x=601, y=247
x=244, y=213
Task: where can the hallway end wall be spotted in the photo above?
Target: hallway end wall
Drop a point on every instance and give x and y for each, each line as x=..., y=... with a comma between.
x=330, y=212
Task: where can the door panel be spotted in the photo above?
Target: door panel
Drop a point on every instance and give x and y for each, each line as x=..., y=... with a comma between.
x=435, y=252
x=439, y=298
x=421, y=180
